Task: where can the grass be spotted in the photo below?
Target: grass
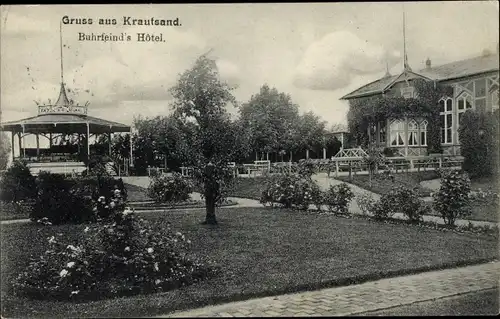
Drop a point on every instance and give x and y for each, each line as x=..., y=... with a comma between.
x=262, y=252
x=246, y=187
x=136, y=193
x=382, y=186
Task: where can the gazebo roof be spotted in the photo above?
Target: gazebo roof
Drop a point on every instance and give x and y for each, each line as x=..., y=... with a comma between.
x=63, y=117
x=64, y=123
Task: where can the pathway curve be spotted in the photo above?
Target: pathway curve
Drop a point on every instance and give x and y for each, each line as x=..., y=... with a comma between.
x=356, y=299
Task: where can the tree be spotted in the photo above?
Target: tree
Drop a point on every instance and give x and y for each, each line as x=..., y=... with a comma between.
x=200, y=101
x=271, y=117
x=311, y=132
x=478, y=134
x=5, y=149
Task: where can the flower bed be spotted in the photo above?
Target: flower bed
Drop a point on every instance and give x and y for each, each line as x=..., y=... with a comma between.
x=119, y=257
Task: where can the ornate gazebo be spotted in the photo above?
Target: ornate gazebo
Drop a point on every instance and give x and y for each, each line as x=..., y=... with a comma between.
x=60, y=119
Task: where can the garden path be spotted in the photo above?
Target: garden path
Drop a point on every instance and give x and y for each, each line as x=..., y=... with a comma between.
x=356, y=299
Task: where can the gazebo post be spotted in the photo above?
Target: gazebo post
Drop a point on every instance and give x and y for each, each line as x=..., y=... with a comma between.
x=24, y=146
x=12, y=143
x=19, y=142
x=37, y=146
x=88, y=144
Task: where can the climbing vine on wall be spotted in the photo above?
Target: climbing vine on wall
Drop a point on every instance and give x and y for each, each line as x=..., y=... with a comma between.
x=365, y=112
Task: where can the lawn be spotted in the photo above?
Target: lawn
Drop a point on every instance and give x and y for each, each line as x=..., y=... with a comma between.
x=136, y=193
x=246, y=187
x=382, y=185
x=262, y=252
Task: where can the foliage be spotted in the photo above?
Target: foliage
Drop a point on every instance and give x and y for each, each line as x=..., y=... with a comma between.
x=5, y=149
x=291, y=190
x=17, y=183
x=271, y=117
x=124, y=256
x=366, y=203
x=159, y=141
x=166, y=189
x=479, y=143
x=410, y=205
x=366, y=112
x=338, y=197
x=387, y=206
x=62, y=199
x=453, y=200
x=200, y=101
x=305, y=168
x=310, y=133
x=399, y=199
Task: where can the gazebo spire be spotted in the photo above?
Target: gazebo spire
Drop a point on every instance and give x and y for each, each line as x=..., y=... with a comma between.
x=62, y=100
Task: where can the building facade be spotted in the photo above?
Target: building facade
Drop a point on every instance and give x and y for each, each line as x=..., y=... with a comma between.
x=475, y=84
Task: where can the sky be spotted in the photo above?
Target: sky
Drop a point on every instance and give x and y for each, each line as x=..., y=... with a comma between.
x=315, y=52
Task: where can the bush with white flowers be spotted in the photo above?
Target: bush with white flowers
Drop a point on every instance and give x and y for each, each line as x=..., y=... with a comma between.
x=291, y=190
x=122, y=256
x=170, y=189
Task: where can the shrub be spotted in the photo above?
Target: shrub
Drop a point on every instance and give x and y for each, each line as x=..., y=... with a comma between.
x=306, y=168
x=291, y=190
x=337, y=198
x=124, y=256
x=165, y=189
x=453, y=199
x=410, y=204
x=366, y=203
x=387, y=206
x=62, y=199
x=480, y=151
x=17, y=183
x=401, y=200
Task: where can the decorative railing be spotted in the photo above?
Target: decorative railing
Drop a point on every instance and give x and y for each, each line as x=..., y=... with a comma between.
x=70, y=109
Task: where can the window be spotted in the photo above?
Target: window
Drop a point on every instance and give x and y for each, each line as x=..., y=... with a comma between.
x=446, y=114
x=464, y=103
x=423, y=132
x=382, y=133
x=407, y=92
x=480, y=88
x=412, y=133
x=397, y=133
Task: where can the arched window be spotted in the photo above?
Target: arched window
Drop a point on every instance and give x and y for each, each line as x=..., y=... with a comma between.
x=464, y=103
x=397, y=133
x=412, y=133
x=423, y=132
x=446, y=105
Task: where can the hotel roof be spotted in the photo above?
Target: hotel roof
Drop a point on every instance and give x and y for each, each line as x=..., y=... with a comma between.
x=454, y=70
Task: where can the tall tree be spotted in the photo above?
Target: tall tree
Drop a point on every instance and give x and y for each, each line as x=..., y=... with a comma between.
x=271, y=117
x=200, y=100
x=311, y=133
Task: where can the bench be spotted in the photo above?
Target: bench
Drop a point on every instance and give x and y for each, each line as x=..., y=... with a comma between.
x=160, y=170
x=258, y=166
